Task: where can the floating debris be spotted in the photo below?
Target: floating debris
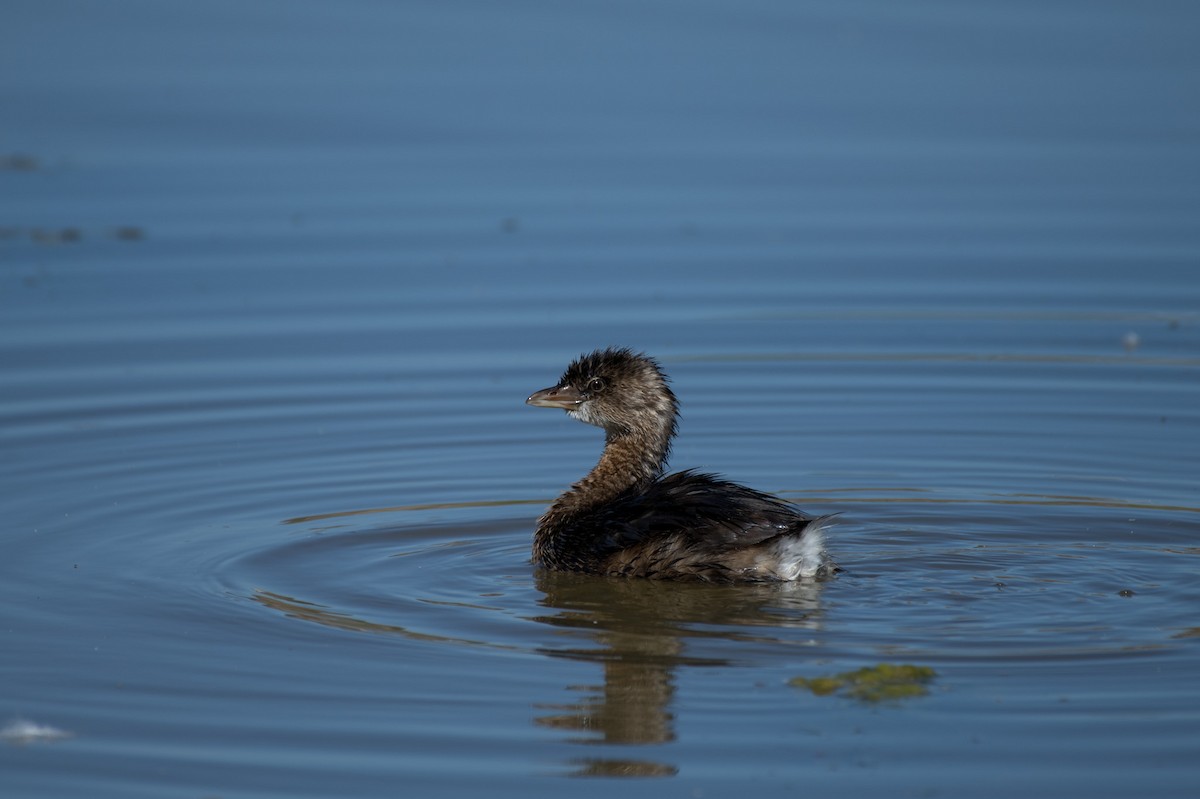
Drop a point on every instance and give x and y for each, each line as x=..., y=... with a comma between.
x=67, y=235
x=129, y=233
x=1131, y=341
x=623, y=768
x=20, y=732
x=19, y=162
x=886, y=682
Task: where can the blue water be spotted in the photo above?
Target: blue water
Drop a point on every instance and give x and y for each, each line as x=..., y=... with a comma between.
x=276, y=279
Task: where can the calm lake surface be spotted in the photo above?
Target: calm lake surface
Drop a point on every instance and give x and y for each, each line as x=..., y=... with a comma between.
x=276, y=279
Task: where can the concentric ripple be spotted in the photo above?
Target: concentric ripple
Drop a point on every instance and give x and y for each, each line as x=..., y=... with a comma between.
x=468, y=583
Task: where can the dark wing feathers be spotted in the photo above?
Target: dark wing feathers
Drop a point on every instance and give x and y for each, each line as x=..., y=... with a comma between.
x=715, y=513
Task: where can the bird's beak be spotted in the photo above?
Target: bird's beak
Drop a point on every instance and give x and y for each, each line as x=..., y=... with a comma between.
x=564, y=397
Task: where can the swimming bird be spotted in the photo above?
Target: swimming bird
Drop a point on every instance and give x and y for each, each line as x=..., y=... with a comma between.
x=625, y=518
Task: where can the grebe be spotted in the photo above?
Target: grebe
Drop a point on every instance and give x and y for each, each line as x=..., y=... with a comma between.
x=625, y=518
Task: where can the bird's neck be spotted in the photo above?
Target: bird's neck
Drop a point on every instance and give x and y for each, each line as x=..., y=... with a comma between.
x=629, y=460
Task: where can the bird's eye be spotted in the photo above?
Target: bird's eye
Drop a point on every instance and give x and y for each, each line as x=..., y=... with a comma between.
x=595, y=384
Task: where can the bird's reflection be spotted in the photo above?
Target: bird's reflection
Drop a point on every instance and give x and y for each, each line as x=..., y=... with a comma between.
x=639, y=632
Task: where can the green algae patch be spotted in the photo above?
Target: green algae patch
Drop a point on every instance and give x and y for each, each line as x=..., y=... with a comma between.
x=887, y=682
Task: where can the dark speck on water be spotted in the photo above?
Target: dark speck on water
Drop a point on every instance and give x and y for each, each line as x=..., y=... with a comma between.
x=129, y=233
x=269, y=483
x=19, y=162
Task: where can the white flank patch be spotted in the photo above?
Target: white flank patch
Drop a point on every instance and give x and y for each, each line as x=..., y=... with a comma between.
x=803, y=556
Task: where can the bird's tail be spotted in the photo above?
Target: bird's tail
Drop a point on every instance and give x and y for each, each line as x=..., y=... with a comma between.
x=801, y=553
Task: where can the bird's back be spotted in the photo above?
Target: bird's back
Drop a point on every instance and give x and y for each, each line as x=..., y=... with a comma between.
x=689, y=526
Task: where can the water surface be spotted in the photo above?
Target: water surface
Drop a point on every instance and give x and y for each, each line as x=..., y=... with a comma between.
x=275, y=282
